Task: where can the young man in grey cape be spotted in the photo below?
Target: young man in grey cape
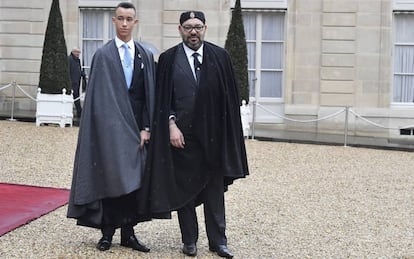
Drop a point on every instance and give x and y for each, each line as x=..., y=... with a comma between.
x=114, y=129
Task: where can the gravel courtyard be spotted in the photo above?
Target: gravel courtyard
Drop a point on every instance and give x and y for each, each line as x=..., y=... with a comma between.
x=300, y=201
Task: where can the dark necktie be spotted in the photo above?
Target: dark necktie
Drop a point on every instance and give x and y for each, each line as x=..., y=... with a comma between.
x=197, y=66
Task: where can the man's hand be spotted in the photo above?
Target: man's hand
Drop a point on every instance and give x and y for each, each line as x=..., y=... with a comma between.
x=145, y=137
x=176, y=136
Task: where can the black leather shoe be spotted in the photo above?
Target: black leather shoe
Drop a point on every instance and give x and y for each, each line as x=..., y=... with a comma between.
x=134, y=243
x=222, y=251
x=104, y=243
x=190, y=250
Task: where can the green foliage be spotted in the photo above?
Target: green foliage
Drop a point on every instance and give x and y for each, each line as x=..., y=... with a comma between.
x=54, y=69
x=237, y=48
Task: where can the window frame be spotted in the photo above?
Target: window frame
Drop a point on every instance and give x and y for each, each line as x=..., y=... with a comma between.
x=108, y=14
x=403, y=4
x=264, y=4
x=394, y=73
x=258, y=41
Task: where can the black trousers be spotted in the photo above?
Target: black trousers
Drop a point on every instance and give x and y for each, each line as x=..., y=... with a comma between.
x=120, y=212
x=212, y=197
x=76, y=94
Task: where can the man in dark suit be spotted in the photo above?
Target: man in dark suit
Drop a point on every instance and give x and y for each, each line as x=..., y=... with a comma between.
x=114, y=128
x=198, y=114
x=76, y=73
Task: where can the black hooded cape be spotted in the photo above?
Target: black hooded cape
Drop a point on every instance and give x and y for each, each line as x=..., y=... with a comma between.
x=108, y=130
x=217, y=127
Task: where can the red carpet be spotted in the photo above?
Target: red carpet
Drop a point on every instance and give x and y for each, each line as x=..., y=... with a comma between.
x=20, y=204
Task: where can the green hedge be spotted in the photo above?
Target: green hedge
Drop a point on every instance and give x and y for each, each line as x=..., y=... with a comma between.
x=236, y=46
x=54, y=69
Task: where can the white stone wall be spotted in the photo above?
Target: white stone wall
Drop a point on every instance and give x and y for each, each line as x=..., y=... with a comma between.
x=22, y=30
x=338, y=53
x=24, y=22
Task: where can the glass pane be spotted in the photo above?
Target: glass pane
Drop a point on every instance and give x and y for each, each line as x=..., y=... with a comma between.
x=404, y=59
x=271, y=84
x=92, y=24
x=273, y=26
x=111, y=27
x=249, y=21
x=404, y=24
x=251, y=54
x=89, y=48
x=272, y=55
x=403, y=89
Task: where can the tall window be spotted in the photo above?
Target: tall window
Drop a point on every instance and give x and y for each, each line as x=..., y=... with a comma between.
x=97, y=29
x=265, y=34
x=403, y=85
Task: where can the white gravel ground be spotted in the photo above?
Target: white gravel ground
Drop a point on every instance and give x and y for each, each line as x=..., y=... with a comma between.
x=300, y=201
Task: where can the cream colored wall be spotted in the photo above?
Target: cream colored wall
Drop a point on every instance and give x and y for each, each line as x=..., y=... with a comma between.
x=338, y=53
x=23, y=25
x=70, y=13
x=159, y=20
x=22, y=30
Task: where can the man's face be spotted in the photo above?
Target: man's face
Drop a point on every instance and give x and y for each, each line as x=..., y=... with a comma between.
x=76, y=52
x=192, y=31
x=124, y=22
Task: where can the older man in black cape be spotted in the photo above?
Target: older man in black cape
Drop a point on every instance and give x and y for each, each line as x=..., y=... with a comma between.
x=197, y=146
x=110, y=155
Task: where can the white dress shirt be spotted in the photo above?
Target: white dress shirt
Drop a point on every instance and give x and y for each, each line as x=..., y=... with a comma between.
x=121, y=50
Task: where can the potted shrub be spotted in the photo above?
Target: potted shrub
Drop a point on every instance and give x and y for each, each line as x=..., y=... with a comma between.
x=237, y=48
x=54, y=98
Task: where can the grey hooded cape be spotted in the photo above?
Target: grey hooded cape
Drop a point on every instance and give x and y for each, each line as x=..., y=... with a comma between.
x=108, y=160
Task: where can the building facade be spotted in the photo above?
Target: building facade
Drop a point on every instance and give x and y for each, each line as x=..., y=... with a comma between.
x=319, y=70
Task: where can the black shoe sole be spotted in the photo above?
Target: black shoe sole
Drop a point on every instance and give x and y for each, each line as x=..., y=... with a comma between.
x=141, y=249
x=219, y=253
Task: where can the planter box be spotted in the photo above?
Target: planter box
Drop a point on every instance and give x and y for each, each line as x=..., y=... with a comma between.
x=54, y=108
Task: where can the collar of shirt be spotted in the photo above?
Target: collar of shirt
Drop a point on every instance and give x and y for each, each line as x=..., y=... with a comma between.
x=121, y=50
x=189, y=53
